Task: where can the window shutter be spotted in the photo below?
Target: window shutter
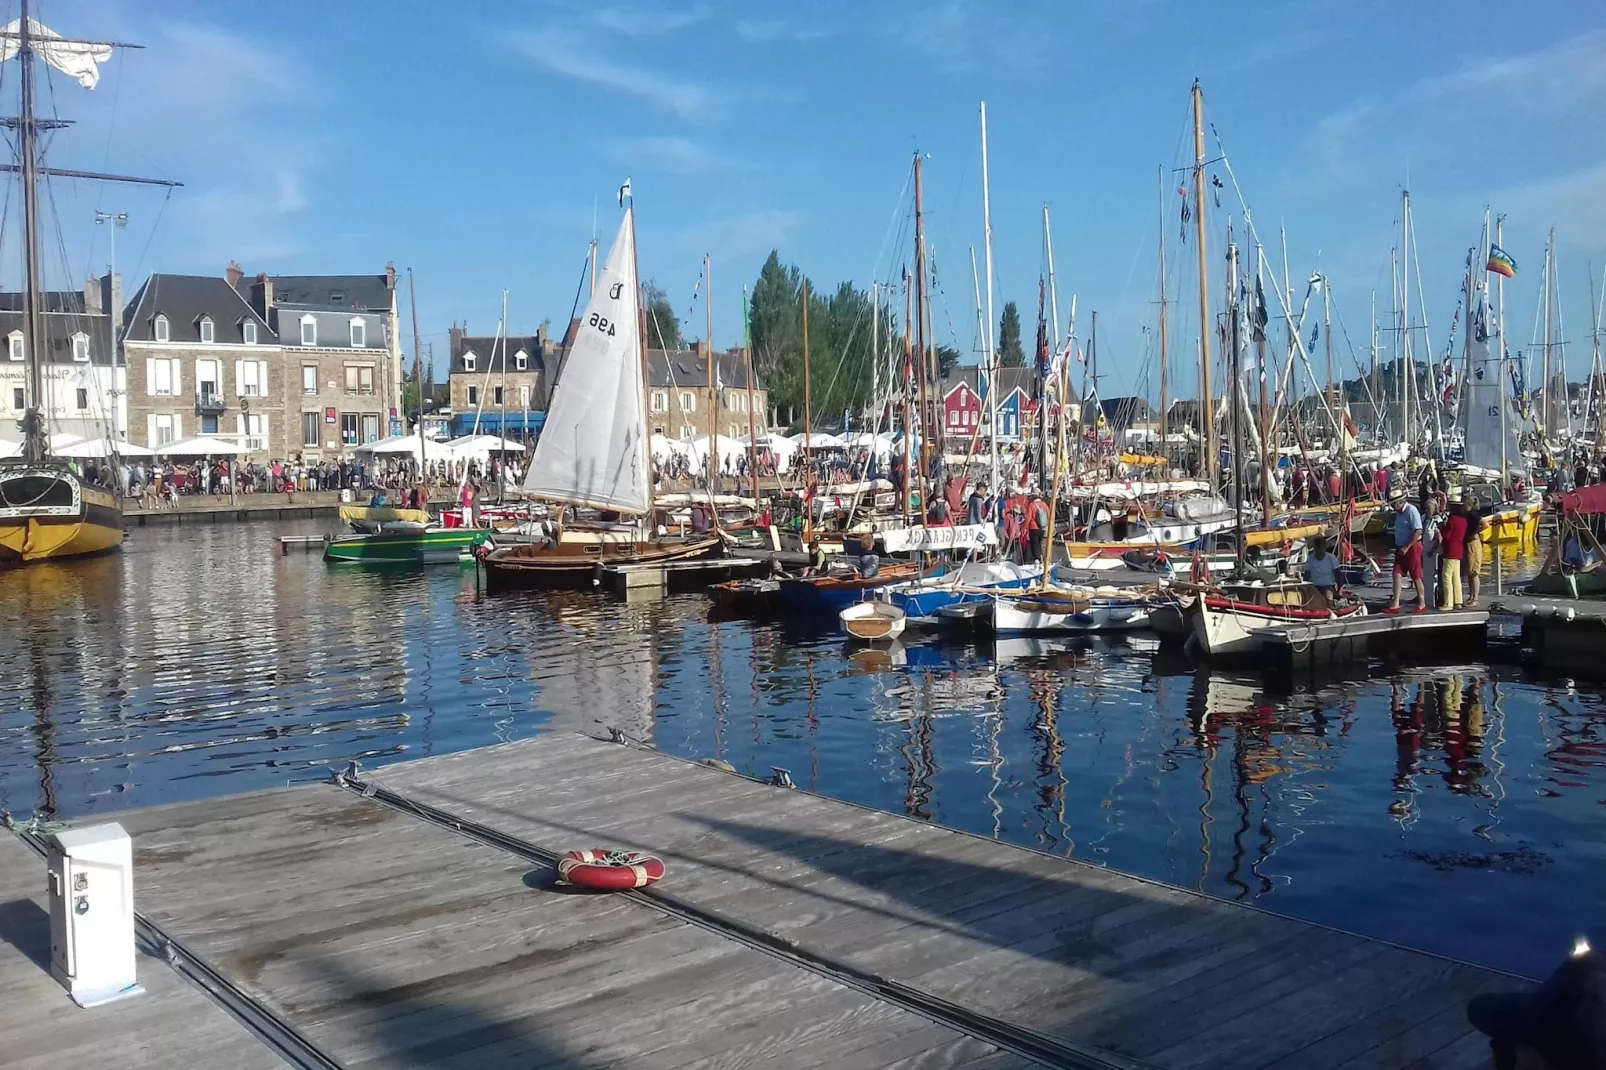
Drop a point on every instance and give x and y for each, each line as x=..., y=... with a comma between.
x=262, y=377
x=150, y=430
x=239, y=377
x=178, y=387
x=178, y=427
x=150, y=378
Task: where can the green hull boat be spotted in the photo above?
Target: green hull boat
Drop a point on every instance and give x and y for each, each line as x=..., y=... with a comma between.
x=434, y=547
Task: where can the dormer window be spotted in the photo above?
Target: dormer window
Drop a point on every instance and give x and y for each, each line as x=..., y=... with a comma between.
x=521, y=360
x=14, y=345
x=208, y=334
x=159, y=328
x=468, y=361
x=309, y=330
x=359, y=333
x=248, y=331
x=80, y=347
x=337, y=295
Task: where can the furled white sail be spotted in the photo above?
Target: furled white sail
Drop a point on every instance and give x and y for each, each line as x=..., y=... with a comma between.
x=593, y=446
x=80, y=60
x=1485, y=394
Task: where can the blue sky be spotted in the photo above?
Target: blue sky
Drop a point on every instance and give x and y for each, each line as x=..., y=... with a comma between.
x=472, y=142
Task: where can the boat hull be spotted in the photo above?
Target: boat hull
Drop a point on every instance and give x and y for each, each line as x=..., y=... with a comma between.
x=1227, y=628
x=1026, y=615
x=873, y=622
x=47, y=514
x=571, y=566
x=404, y=548
x=833, y=594
x=922, y=601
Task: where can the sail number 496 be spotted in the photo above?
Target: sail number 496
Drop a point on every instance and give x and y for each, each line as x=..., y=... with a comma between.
x=601, y=323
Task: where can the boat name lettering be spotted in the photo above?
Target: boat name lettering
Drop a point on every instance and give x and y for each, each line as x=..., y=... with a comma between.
x=601, y=323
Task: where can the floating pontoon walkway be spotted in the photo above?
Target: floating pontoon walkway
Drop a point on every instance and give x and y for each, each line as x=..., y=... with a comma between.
x=408, y=919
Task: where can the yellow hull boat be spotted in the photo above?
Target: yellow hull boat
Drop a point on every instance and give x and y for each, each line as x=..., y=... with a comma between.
x=47, y=513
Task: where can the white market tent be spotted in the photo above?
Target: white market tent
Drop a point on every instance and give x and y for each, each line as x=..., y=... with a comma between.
x=407, y=446
x=664, y=448
x=819, y=440
x=729, y=449
x=201, y=446
x=882, y=445
x=483, y=446
x=101, y=447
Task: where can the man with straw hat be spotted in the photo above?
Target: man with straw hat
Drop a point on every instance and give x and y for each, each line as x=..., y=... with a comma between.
x=1407, y=549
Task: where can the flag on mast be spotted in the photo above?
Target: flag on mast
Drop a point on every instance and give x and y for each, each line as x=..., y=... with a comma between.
x=1500, y=262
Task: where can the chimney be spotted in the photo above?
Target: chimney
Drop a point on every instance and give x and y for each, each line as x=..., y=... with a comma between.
x=111, y=296
x=262, y=295
x=390, y=276
x=233, y=274
x=92, y=296
x=541, y=339
x=455, y=340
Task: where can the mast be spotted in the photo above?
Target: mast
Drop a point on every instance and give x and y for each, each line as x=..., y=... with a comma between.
x=920, y=332
x=1405, y=316
x=1500, y=337
x=752, y=432
x=713, y=397
x=501, y=429
x=418, y=377
x=808, y=423
x=1592, y=418
x=875, y=352
x=1164, y=401
x=1266, y=446
x=989, y=341
x=1235, y=372
x=908, y=368
x=1206, y=416
x=1544, y=383
x=1053, y=305
x=593, y=258
x=37, y=443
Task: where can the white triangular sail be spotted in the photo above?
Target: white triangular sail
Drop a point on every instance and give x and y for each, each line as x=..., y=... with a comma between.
x=1485, y=394
x=593, y=446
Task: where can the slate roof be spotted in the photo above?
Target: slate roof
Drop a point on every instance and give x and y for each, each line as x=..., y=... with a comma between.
x=1008, y=379
x=184, y=299
x=683, y=368
x=1126, y=411
x=64, y=317
x=484, y=345
x=336, y=292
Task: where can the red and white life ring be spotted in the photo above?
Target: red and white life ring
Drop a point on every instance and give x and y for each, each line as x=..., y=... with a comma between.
x=612, y=871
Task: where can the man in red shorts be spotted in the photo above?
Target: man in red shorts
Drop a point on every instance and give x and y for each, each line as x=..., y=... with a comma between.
x=1407, y=549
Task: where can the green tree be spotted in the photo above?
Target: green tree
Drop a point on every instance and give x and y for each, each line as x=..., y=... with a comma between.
x=663, y=328
x=1010, y=353
x=948, y=356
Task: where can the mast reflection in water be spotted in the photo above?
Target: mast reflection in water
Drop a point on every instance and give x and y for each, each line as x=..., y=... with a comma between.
x=1458, y=810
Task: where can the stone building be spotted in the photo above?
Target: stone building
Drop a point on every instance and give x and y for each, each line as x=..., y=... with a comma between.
x=677, y=394
x=497, y=381
x=83, y=385
x=201, y=361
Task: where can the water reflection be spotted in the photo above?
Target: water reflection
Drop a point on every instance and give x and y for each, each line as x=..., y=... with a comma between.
x=1414, y=807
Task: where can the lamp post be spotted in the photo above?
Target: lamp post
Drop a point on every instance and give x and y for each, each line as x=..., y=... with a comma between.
x=119, y=221
x=234, y=459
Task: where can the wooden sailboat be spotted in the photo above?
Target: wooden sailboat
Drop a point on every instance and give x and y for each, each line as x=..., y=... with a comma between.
x=46, y=510
x=592, y=453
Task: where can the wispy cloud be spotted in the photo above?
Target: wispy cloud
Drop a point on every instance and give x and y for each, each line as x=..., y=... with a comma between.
x=1576, y=201
x=648, y=21
x=670, y=155
x=966, y=35
x=768, y=31
x=742, y=235
x=570, y=56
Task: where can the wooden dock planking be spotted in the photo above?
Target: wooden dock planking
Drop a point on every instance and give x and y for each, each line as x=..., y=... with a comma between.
x=388, y=941
x=171, y=1024
x=1074, y=951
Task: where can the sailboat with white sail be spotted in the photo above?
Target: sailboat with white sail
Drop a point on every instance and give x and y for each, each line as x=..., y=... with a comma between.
x=593, y=451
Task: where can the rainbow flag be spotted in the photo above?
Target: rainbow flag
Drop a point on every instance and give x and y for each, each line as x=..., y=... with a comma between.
x=1501, y=263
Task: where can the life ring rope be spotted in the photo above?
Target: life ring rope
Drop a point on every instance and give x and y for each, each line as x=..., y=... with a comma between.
x=608, y=869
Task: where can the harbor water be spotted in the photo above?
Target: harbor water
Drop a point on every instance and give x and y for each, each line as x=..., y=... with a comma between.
x=1458, y=809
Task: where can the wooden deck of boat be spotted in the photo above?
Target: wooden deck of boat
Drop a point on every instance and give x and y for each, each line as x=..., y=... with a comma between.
x=790, y=930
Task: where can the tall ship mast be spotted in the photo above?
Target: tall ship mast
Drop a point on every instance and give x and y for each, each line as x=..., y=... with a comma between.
x=48, y=510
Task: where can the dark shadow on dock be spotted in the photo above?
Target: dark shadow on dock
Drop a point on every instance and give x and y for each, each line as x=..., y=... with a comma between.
x=416, y=1024
x=25, y=925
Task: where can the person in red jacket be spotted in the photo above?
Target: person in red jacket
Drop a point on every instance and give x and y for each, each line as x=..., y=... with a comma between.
x=1453, y=539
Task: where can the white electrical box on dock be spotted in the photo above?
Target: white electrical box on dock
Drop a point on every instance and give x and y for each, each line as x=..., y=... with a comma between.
x=92, y=913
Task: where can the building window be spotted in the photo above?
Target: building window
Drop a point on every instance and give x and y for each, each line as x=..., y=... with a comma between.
x=348, y=428
x=162, y=376
x=359, y=334
x=163, y=424
x=359, y=379
x=521, y=360
x=159, y=329
x=80, y=347
x=248, y=331
x=15, y=345
x=309, y=330
x=209, y=425
x=309, y=379
x=254, y=426
x=370, y=427
x=688, y=401
x=660, y=401
x=83, y=400
x=208, y=335
x=473, y=395
x=309, y=428
x=524, y=398
x=468, y=361
x=250, y=375
x=496, y=395
x=19, y=400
